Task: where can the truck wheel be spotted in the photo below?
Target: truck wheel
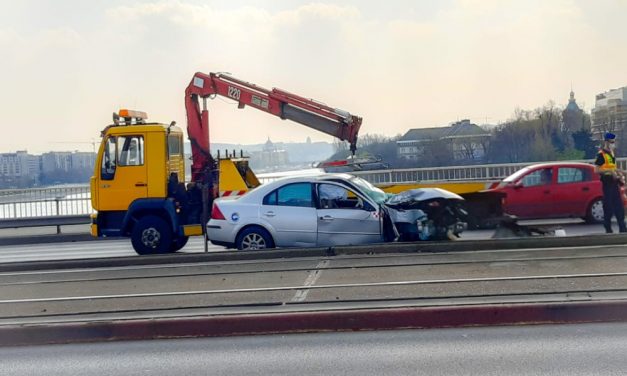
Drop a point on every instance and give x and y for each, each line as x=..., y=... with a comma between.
x=595, y=211
x=254, y=238
x=178, y=243
x=151, y=235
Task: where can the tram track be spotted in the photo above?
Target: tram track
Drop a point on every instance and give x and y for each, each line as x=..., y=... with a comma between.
x=292, y=265
x=314, y=283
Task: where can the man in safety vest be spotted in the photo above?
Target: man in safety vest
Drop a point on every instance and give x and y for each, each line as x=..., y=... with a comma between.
x=611, y=180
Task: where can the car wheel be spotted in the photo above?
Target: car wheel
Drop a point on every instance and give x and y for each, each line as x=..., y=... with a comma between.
x=178, y=243
x=151, y=235
x=254, y=238
x=595, y=211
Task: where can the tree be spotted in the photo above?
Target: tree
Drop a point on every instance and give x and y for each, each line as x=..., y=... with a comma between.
x=584, y=142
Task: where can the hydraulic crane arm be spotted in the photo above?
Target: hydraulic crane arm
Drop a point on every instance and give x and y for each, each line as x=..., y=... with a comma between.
x=313, y=114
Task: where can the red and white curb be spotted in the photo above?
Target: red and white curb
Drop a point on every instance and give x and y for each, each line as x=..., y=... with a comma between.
x=319, y=321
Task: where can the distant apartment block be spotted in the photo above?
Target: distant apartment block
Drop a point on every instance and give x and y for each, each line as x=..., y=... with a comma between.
x=67, y=161
x=54, y=161
x=21, y=169
x=610, y=114
x=82, y=160
x=14, y=164
x=463, y=140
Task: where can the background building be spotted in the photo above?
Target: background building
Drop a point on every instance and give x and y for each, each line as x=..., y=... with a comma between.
x=573, y=117
x=271, y=156
x=610, y=115
x=15, y=170
x=462, y=141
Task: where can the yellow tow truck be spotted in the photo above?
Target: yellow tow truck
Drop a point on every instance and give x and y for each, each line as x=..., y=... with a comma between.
x=138, y=188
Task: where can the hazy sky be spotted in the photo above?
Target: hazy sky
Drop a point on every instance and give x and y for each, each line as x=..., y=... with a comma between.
x=65, y=66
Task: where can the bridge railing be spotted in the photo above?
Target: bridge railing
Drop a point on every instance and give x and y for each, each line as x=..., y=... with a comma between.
x=75, y=200
x=45, y=202
x=453, y=173
x=488, y=172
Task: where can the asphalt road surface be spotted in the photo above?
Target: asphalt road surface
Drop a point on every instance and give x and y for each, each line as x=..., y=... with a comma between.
x=583, y=349
x=313, y=283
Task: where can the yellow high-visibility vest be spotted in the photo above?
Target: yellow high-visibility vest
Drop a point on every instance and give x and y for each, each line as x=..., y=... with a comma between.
x=609, y=163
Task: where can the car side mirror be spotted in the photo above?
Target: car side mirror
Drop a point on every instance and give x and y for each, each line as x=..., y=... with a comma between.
x=518, y=185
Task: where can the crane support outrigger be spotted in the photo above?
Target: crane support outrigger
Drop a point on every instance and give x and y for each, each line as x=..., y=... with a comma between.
x=138, y=185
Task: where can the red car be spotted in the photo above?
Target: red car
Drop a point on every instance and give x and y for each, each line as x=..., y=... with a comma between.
x=554, y=190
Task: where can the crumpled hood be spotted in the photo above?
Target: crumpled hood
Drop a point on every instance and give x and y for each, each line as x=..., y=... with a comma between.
x=421, y=194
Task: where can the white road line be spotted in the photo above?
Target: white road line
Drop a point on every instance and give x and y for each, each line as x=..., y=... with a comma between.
x=311, y=287
x=313, y=276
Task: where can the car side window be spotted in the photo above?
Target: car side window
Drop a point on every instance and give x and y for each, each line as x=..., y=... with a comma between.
x=539, y=177
x=331, y=196
x=571, y=175
x=270, y=198
x=298, y=194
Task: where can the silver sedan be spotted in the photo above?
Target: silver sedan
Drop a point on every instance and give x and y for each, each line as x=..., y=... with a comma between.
x=309, y=211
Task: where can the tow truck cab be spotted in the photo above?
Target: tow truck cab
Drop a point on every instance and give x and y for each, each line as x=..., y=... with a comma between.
x=139, y=172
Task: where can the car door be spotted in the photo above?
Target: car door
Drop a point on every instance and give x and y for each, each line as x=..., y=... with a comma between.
x=345, y=217
x=530, y=195
x=572, y=191
x=291, y=212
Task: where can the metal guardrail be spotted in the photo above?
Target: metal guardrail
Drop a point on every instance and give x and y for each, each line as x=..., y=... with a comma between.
x=75, y=200
x=441, y=174
x=45, y=202
x=488, y=172
x=57, y=221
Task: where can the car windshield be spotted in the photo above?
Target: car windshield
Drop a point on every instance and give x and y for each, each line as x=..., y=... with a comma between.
x=376, y=194
x=517, y=175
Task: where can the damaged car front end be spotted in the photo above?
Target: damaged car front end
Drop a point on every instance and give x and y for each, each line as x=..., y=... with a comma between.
x=417, y=214
x=424, y=214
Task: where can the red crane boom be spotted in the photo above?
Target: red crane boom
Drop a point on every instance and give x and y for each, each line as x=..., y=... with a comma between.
x=311, y=113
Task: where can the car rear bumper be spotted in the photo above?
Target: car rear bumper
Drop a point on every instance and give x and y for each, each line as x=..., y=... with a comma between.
x=221, y=233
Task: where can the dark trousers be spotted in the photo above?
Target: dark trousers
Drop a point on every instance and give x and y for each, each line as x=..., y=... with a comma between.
x=613, y=205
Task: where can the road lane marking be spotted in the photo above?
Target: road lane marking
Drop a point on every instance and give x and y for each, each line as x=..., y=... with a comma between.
x=317, y=287
x=313, y=276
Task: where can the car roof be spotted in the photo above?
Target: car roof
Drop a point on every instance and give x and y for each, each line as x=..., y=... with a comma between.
x=322, y=176
x=559, y=164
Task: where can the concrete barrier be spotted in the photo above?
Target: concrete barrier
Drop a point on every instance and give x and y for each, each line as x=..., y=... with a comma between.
x=43, y=239
x=55, y=220
x=320, y=321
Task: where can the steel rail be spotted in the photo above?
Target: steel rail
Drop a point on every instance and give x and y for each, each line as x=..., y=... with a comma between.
x=300, y=269
x=333, y=305
x=316, y=287
x=291, y=260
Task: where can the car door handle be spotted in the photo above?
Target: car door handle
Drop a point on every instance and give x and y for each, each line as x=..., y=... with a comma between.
x=326, y=218
x=140, y=184
x=585, y=189
x=105, y=186
x=269, y=214
x=547, y=191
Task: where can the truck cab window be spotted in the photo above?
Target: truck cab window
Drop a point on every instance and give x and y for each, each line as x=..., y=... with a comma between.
x=130, y=150
x=109, y=160
x=174, y=145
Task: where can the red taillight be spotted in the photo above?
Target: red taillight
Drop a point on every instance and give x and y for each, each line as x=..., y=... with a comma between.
x=216, y=213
